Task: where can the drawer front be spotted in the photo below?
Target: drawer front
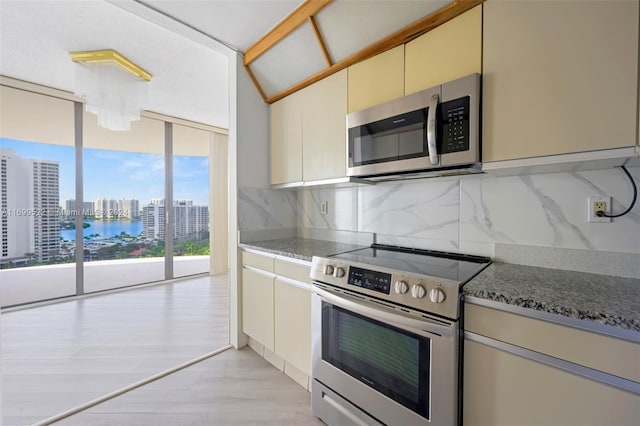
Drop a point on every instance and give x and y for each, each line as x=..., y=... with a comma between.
x=257, y=261
x=295, y=271
x=593, y=350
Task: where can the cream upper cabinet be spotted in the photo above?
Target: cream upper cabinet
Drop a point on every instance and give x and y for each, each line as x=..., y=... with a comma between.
x=558, y=77
x=308, y=132
x=324, y=128
x=445, y=53
x=376, y=80
x=286, y=139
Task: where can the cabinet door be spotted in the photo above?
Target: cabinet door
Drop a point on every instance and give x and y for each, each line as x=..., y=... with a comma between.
x=286, y=140
x=293, y=325
x=376, y=80
x=324, y=128
x=257, y=307
x=450, y=51
x=505, y=389
x=558, y=77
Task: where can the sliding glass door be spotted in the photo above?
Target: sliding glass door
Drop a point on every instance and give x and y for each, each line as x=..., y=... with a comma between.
x=191, y=210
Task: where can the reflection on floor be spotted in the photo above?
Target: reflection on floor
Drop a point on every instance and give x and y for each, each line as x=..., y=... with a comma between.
x=59, y=356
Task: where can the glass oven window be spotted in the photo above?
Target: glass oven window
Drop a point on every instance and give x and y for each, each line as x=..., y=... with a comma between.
x=392, y=361
x=396, y=138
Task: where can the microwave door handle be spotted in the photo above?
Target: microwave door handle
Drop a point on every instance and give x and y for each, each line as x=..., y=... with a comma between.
x=432, y=130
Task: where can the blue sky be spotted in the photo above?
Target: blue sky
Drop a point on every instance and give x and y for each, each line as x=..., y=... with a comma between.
x=115, y=174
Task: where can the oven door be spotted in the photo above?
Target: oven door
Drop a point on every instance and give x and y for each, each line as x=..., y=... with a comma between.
x=381, y=366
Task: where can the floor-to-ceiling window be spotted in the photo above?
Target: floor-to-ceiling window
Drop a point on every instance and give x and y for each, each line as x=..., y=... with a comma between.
x=124, y=192
x=86, y=209
x=37, y=172
x=191, y=210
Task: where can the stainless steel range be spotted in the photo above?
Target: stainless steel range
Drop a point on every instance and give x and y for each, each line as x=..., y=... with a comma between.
x=386, y=335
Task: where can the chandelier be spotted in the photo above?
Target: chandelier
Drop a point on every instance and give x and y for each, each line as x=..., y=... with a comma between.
x=112, y=87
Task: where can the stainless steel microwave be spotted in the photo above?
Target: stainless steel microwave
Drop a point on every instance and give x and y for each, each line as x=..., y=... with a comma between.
x=431, y=132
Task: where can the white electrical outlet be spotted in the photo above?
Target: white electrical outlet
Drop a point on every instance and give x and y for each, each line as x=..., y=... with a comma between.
x=324, y=207
x=596, y=204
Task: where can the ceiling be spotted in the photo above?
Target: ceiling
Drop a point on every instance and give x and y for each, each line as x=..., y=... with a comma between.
x=186, y=44
x=236, y=23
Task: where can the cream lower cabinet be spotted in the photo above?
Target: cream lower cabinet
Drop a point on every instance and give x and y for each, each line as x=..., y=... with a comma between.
x=258, y=307
x=293, y=324
x=508, y=383
x=276, y=312
x=501, y=388
x=559, y=78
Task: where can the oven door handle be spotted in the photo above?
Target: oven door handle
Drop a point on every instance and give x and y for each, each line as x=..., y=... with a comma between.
x=386, y=315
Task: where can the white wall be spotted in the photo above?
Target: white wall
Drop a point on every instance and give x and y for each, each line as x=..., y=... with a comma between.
x=249, y=168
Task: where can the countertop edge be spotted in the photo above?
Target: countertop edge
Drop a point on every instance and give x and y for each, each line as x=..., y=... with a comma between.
x=289, y=257
x=586, y=325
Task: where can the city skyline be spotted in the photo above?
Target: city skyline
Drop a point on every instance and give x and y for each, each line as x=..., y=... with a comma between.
x=120, y=175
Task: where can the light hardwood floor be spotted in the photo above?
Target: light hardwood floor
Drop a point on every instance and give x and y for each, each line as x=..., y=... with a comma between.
x=231, y=388
x=59, y=356
x=62, y=355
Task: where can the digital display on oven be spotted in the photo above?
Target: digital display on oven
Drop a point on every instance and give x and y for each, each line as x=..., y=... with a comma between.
x=371, y=280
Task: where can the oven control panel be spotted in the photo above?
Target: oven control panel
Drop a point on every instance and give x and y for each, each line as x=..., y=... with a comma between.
x=418, y=292
x=371, y=280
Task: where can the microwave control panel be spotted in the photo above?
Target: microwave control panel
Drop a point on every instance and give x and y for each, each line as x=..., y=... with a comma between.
x=455, y=125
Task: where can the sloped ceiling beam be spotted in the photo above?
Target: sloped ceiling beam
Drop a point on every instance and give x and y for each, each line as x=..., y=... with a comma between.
x=285, y=27
x=309, y=8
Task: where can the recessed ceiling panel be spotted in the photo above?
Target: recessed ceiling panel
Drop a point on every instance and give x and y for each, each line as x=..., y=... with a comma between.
x=292, y=60
x=349, y=26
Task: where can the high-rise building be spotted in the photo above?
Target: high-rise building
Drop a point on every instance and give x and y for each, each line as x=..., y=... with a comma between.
x=190, y=222
x=129, y=209
x=153, y=222
x=105, y=208
x=71, y=209
x=30, y=200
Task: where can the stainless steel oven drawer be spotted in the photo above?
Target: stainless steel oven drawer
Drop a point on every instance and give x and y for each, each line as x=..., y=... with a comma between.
x=335, y=410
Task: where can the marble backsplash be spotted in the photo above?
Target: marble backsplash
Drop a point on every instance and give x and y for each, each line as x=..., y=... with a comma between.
x=468, y=214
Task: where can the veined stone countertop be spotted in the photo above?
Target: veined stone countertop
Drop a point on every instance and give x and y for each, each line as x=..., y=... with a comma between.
x=301, y=248
x=601, y=299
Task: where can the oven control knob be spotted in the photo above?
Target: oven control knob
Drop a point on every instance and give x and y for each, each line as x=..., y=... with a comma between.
x=328, y=269
x=436, y=295
x=418, y=291
x=401, y=287
x=338, y=272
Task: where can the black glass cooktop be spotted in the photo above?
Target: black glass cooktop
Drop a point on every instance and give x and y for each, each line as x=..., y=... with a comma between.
x=440, y=265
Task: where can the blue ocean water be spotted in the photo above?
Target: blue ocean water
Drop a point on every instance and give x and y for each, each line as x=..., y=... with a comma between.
x=106, y=229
